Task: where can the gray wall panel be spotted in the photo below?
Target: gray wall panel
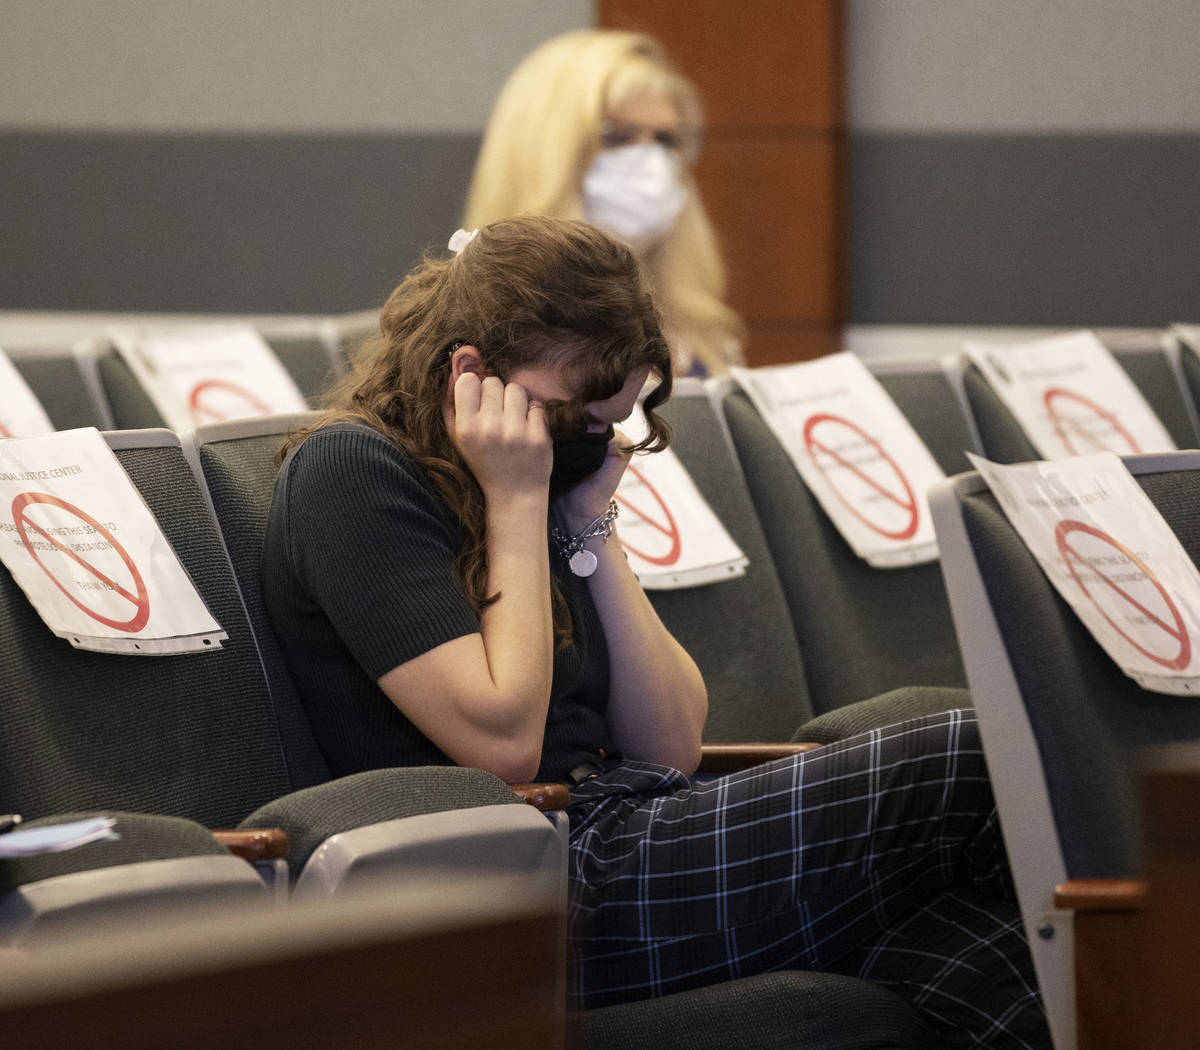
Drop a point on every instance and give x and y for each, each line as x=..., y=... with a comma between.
x=294, y=224
x=1023, y=65
x=1030, y=230
x=266, y=65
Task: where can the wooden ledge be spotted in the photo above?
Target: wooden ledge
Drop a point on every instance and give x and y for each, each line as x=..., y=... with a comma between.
x=1091, y=895
x=255, y=843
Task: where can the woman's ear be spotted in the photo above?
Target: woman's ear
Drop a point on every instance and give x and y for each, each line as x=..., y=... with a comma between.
x=466, y=359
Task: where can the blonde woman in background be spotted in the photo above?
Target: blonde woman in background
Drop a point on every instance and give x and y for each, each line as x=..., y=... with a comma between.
x=598, y=125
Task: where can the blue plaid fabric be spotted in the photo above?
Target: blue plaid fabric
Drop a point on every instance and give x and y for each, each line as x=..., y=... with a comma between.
x=879, y=856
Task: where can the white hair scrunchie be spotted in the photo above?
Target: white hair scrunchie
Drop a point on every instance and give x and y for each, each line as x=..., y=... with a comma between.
x=460, y=240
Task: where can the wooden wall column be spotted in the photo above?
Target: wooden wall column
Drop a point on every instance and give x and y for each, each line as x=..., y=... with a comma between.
x=771, y=174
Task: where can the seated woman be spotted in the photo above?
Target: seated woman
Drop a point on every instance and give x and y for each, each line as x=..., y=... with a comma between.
x=444, y=572
x=597, y=125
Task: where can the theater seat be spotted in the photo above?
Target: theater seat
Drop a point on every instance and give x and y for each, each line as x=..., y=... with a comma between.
x=1063, y=729
x=207, y=737
x=812, y=1011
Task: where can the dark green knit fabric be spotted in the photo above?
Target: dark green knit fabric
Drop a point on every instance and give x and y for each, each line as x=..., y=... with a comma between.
x=191, y=735
x=307, y=360
x=131, y=406
x=311, y=816
x=1088, y=718
x=143, y=837
x=240, y=477
x=862, y=630
x=788, y=1010
x=738, y=631
x=896, y=705
x=57, y=381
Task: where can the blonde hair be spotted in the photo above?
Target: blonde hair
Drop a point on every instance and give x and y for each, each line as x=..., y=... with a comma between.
x=544, y=131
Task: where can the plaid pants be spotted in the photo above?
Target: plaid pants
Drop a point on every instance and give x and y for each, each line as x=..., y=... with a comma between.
x=879, y=856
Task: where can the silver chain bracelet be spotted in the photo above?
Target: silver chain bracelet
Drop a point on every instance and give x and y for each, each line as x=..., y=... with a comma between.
x=583, y=562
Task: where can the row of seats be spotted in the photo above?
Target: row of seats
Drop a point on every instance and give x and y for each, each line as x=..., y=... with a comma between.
x=1067, y=735
x=220, y=739
x=82, y=381
x=789, y=651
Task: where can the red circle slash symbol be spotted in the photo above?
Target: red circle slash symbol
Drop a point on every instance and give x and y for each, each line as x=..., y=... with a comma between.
x=140, y=597
x=202, y=411
x=1177, y=631
x=904, y=500
x=1053, y=398
x=666, y=526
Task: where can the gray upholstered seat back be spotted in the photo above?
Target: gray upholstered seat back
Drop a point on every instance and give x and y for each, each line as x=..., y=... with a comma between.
x=738, y=631
x=238, y=464
x=924, y=395
x=131, y=406
x=1087, y=717
x=1189, y=367
x=862, y=631
x=58, y=379
x=1148, y=365
x=191, y=735
x=308, y=360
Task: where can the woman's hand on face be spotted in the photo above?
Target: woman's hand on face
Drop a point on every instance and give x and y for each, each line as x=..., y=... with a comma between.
x=590, y=498
x=501, y=434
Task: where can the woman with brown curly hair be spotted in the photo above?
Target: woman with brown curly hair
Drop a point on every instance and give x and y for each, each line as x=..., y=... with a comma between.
x=443, y=569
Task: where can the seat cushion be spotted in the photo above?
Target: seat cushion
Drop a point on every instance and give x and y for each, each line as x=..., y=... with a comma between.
x=143, y=837
x=886, y=709
x=314, y=814
x=788, y=1010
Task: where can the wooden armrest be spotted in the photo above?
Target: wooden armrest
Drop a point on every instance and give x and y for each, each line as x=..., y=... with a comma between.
x=730, y=758
x=1088, y=895
x=546, y=797
x=255, y=843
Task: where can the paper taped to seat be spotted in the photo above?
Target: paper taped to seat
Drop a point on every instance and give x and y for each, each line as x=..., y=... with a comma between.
x=208, y=373
x=21, y=414
x=1071, y=397
x=668, y=530
x=1107, y=550
x=89, y=555
x=856, y=452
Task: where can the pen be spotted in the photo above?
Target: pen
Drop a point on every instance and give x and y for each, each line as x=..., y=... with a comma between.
x=8, y=821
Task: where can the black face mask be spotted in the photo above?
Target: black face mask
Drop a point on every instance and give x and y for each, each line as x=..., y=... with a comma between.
x=576, y=459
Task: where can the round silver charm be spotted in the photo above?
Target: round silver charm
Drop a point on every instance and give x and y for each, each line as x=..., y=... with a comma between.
x=583, y=563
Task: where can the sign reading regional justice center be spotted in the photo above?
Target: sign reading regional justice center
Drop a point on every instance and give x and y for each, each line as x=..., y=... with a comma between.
x=1114, y=560
x=208, y=373
x=89, y=555
x=856, y=452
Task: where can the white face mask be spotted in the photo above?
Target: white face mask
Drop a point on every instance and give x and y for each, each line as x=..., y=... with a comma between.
x=634, y=192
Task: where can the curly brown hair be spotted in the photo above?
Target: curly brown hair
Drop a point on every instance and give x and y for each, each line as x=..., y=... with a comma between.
x=528, y=292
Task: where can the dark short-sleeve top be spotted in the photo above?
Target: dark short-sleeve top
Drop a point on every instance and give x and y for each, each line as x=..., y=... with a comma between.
x=359, y=577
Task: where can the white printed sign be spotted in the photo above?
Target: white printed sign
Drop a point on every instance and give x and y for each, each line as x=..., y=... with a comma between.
x=1114, y=560
x=1071, y=397
x=21, y=415
x=668, y=530
x=88, y=553
x=856, y=452
x=209, y=373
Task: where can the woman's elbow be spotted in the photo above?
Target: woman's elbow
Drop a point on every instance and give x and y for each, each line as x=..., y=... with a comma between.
x=515, y=760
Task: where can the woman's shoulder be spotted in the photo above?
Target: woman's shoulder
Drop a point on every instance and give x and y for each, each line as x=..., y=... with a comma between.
x=346, y=444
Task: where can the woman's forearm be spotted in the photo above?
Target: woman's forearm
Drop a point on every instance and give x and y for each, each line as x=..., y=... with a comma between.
x=657, y=702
